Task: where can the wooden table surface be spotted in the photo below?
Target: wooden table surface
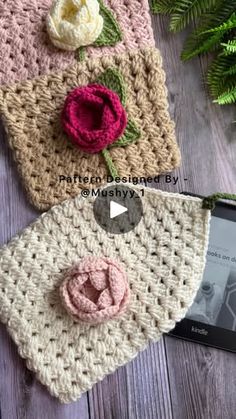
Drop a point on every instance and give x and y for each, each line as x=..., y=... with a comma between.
x=171, y=379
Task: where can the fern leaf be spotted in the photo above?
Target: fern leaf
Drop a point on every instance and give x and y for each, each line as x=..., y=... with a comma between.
x=218, y=81
x=209, y=44
x=216, y=21
x=196, y=42
x=230, y=47
x=188, y=10
x=231, y=71
x=163, y=6
x=226, y=26
x=227, y=98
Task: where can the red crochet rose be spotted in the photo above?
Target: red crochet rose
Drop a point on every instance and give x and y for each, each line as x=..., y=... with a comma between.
x=95, y=290
x=93, y=117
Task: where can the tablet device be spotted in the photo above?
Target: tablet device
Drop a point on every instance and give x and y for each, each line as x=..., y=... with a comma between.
x=211, y=319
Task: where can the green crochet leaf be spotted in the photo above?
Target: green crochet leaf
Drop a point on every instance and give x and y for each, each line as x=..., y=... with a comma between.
x=131, y=134
x=111, y=33
x=112, y=79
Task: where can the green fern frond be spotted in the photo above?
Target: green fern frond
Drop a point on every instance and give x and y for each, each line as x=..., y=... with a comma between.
x=224, y=27
x=230, y=47
x=209, y=44
x=216, y=20
x=197, y=42
x=227, y=98
x=188, y=10
x=219, y=82
x=165, y=7
x=224, y=9
x=231, y=71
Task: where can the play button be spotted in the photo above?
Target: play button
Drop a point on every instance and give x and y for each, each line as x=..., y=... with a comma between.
x=117, y=209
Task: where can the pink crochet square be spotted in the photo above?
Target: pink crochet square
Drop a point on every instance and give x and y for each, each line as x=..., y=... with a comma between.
x=27, y=52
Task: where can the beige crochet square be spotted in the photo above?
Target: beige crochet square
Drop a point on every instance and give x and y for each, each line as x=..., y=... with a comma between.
x=164, y=258
x=31, y=114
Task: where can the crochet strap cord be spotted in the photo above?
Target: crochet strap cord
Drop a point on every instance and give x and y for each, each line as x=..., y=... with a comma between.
x=210, y=201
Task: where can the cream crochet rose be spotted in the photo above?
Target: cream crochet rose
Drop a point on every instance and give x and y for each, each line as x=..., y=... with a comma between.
x=74, y=23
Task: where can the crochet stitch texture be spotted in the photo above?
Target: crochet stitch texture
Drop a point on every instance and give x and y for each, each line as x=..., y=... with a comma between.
x=163, y=257
x=27, y=52
x=73, y=24
x=95, y=290
x=31, y=115
x=93, y=117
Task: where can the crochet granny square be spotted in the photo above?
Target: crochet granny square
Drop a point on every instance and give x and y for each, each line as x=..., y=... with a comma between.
x=32, y=115
x=80, y=302
x=26, y=50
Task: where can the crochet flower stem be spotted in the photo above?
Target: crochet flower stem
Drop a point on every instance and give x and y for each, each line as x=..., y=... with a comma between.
x=80, y=54
x=113, y=126
x=109, y=162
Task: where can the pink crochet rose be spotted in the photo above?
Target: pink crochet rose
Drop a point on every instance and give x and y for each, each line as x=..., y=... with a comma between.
x=93, y=117
x=95, y=290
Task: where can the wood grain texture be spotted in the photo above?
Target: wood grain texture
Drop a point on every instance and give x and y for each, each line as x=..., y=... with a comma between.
x=202, y=381
x=138, y=390
x=171, y=379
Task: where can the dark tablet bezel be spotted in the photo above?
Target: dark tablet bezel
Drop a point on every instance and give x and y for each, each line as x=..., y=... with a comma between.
x=202, y=333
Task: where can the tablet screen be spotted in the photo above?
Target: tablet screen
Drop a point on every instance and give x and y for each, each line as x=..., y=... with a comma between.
x=211, y=319
x=215, y=302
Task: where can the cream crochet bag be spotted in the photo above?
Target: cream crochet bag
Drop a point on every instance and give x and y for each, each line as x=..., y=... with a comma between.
x=163, y=259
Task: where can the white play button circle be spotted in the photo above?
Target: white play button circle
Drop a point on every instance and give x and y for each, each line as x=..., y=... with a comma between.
x=116, y=209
